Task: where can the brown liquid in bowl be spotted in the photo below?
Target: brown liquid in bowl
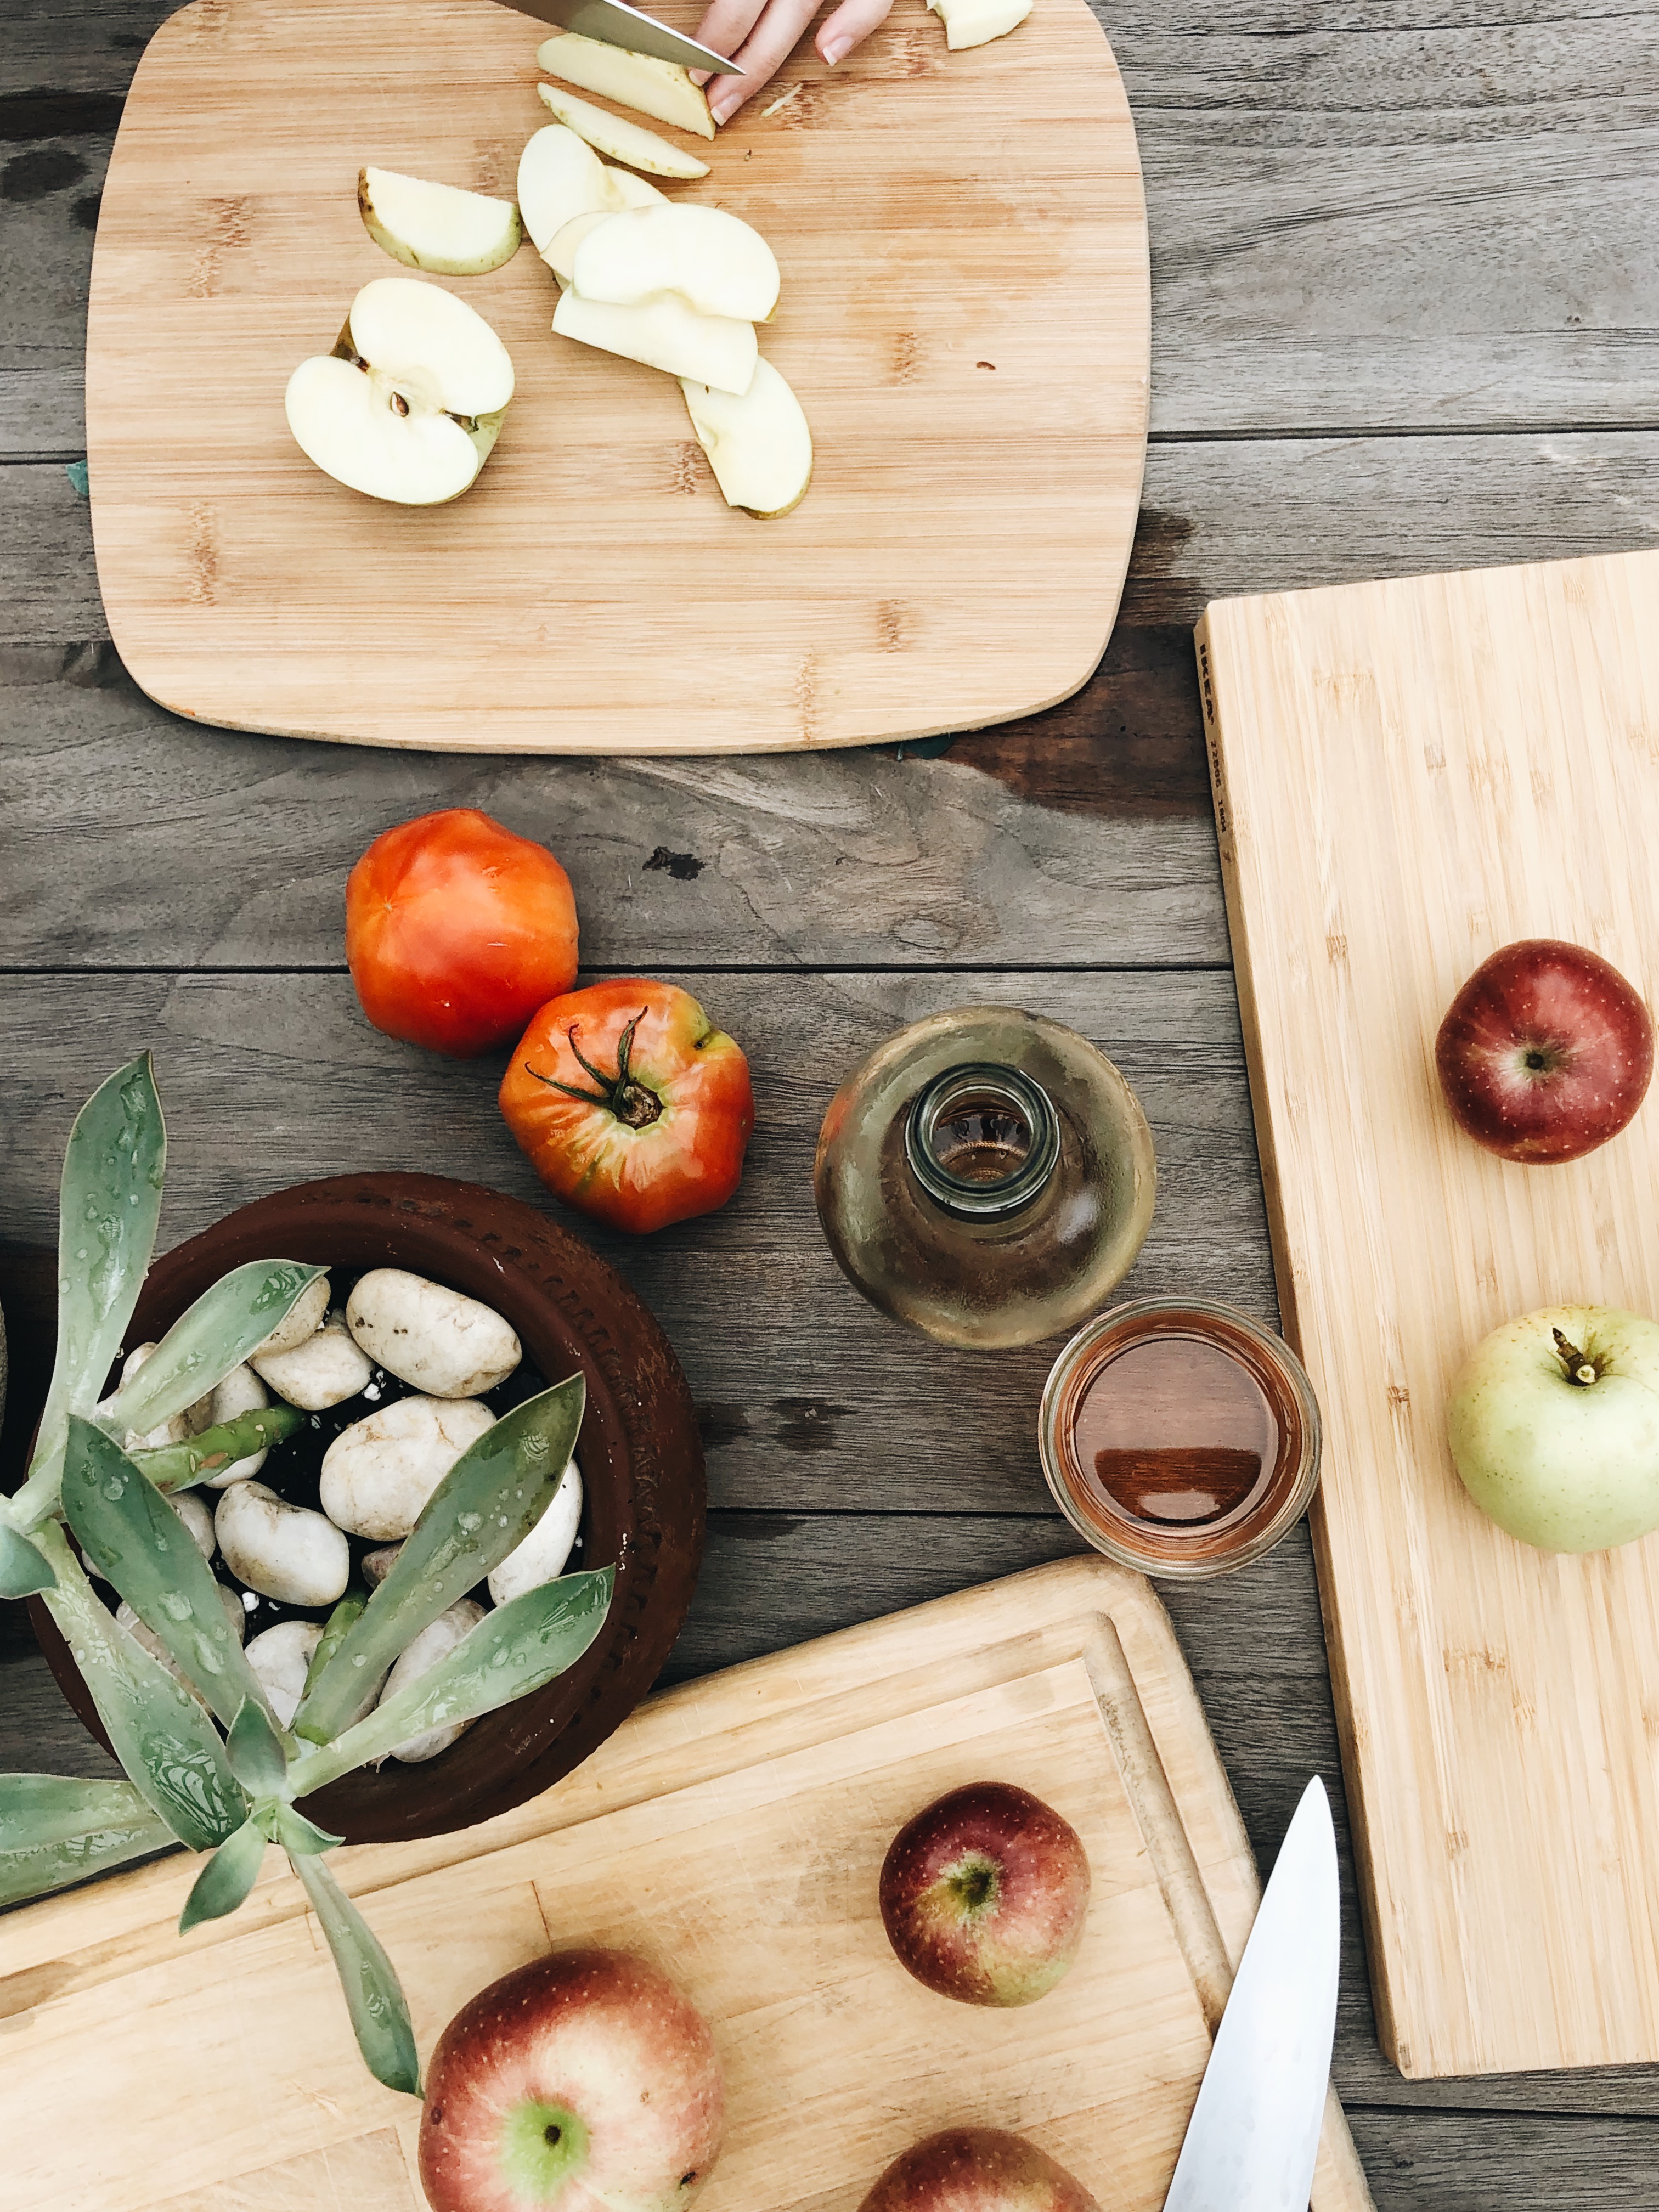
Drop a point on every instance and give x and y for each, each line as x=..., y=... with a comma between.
x=1176, y=1432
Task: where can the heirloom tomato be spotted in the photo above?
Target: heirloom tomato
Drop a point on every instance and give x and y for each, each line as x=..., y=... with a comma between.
x=456, y=930
x=630, y=1104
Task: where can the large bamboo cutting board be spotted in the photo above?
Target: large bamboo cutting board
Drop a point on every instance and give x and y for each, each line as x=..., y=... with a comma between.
x=964, y=315
x=734, y=1830
x=1408, y=775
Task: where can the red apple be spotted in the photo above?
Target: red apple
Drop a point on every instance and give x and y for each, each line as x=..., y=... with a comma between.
x=983, y=1895
x=1545, y=1053
x=583, y=2083
x=977, y=2170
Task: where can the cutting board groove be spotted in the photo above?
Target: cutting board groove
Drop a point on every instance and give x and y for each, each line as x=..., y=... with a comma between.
x=1408, y=775
x=965, y=316
x=734, y=1829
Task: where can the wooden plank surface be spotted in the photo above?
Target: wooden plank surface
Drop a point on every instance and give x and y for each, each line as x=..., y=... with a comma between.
x=1407, y=776
x=796, y=1769
x=1310, y=276
x=979, y=386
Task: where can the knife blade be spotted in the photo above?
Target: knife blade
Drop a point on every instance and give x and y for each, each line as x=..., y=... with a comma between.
x=1253, y=2139
x=619, y=25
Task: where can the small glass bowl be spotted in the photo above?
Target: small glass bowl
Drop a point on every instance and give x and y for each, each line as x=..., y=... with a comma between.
x=1199, y=1550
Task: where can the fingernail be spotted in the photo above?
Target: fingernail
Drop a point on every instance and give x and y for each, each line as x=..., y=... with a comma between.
x=700, y=76
x=837, y=51
x=726, y=106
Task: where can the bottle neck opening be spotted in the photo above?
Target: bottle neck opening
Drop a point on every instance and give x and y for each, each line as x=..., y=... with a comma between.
x=982, y=1140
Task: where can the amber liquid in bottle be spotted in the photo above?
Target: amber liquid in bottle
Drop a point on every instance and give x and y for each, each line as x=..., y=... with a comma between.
x=1173, y=1432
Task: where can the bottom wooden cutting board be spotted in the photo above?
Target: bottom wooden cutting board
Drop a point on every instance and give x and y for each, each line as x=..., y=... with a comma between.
x=732, y=1831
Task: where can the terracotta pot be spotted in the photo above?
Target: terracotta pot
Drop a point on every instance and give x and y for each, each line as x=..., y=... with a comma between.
x=641, y=1455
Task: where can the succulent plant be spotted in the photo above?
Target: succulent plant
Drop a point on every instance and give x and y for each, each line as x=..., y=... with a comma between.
x=209, y=1764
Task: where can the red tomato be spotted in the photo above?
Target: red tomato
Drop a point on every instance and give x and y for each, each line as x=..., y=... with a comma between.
x=457, y=931
x=630, y=1104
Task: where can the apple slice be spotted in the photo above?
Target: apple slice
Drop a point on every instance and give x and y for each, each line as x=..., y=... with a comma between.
x=623, y=141
x=437, y=227
x=759, y=445
x=639, y=81
x=409, y=402
x=975, y=22
x=560, y=176
x=561, y=255
x=715, y=262
x=627, y=190
x=665, y=333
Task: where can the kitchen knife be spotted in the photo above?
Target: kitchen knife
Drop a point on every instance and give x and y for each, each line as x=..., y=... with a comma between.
x=619, y=25
x=1253, y=2136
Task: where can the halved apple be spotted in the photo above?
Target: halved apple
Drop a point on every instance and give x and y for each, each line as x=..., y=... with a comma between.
x=973, y=22
x=623, y=141
x=654, y=87
x=759, y=445
x=437, y=227
x=665, y=333
x=713, y=261
x=560, y=176
x=561, y=255
x=409, y=402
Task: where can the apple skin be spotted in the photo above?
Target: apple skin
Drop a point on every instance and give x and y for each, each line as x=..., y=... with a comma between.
x=1565, y=1465
x=977, y=2170
x=596, y=2045
x=1545, y=1053
x=984, y=1894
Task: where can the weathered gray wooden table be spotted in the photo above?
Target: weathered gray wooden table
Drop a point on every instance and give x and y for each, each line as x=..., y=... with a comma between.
x=1405, y=267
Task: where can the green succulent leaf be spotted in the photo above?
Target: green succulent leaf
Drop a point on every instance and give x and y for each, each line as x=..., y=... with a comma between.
x=511, y=1652
x=177, y=1466
x=54, y=1831
x=339, y=1625
x=227, y=1878
x=302, y=1838
x=254, y=1752
x=134, y=1538
x=226, y=1323
x=379, y=2016
x=23, y=1570
x=109, y=1204
x=168, y=1746
x=484, y=1508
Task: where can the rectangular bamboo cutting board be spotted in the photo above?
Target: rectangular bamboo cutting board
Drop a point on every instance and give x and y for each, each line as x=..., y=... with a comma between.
x=964, y=316
x=734, y=1830
x=1408, y=775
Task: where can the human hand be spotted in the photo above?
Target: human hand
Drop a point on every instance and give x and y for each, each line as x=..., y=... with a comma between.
x=768, y=31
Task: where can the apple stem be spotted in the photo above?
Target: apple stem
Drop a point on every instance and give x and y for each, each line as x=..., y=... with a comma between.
x=1581, y=1369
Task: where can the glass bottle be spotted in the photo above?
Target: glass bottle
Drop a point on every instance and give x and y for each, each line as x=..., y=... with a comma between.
x=986, y=1176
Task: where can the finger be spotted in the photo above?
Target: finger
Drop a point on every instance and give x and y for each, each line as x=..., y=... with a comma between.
x=725, y=25
x=762, y=54
x=848, y=24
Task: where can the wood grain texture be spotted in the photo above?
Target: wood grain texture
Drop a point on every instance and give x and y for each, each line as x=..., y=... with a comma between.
x=798, y=1770
x=977, y=390
x=1402, y=770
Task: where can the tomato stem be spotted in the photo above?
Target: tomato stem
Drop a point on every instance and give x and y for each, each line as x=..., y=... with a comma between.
x=635, y=1105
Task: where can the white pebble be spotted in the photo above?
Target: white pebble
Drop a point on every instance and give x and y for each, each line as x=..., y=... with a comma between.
x=434, y=1643
x=281, y=1659
x=284, y=1552
x=379, y=1473
x=196, y=1518
x=377, y=1565
x=437, y=1340
x=541, y=1557
x=305, y=1317
x=325, y=1370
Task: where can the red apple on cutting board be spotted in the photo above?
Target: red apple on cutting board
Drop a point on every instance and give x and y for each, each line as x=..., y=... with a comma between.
x=1545, y=1053
x=583, y=2083
x=977, y=2170
x=984, y=1893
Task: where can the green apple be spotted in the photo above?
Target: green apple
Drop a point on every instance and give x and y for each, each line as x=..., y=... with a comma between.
x=437, y=227
x=639, y=81
x=759, y=446
x=409, y=402
x=1553, y=1424
x=615, y=135
x=714, y=261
